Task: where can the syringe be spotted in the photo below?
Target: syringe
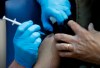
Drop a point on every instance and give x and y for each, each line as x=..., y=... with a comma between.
x=17, y=23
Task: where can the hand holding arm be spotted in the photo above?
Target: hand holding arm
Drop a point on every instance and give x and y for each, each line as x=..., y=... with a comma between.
x=85, y=45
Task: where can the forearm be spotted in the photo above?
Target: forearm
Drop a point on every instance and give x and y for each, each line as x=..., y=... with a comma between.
x=47, y=63
x=15, y=65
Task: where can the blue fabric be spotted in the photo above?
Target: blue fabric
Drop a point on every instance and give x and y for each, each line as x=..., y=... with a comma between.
x=22, y=10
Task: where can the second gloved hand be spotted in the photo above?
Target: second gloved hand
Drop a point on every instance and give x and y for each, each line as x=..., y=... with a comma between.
x=26, y=42
x=59, y=9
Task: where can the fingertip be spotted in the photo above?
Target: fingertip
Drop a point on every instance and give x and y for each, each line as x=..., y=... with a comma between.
x=36, y=34
x=25, y=25
x=56, y=36
x=71, y=23
x=61, y=54
x=38, y=40
x=90, y=27
x=49, y=28
x=27, y=22
x=53, y=20
x=68, y=12
x=64, y=15
x=91, y=24
x=30, y=21
x=37, y=26
x=46, y=25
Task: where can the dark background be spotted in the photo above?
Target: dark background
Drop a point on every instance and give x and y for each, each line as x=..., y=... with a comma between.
x=2, y=5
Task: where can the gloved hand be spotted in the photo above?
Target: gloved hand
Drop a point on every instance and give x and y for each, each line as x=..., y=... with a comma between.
x=26, y=42
x=59, y=9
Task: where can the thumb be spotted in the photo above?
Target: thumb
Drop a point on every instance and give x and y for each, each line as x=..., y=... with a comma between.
x=46, y=24
x=91, y=28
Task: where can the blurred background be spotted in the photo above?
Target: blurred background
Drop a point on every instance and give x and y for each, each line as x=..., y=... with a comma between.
x=2, y=44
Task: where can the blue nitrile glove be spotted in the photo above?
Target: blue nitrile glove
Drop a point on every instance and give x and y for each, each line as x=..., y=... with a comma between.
x=59, y=9
x=26, y=42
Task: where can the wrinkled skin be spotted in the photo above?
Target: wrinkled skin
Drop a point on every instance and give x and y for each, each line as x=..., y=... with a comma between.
x=85, y=45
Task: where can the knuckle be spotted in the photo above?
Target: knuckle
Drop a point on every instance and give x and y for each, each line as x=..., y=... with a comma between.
x=72, y=24
x=62, y=36
x=33, y=28
x=77, y=39
x=89, y=38
x=83, y=32
x=63, y=46
x=37, y=26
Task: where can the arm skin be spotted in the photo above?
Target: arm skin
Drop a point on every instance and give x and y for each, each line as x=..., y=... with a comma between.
x=15, y=65
x=48, y=55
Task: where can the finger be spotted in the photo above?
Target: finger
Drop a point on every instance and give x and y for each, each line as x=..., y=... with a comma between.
x=22, y=28
x=67, y=11
x=46, y=24
x=65, y=38
x=33, y=37
x=64, y=15
x=57, y=15
x=66, y=54
x=37, y=42
x=91, y=28
x=30, y=30
x=53, y=20
x=76, y=28
x=68, y=4
x=33, y=48
x=65, y=47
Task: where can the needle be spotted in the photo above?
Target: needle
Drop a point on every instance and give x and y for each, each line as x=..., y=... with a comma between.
x=17, y=23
